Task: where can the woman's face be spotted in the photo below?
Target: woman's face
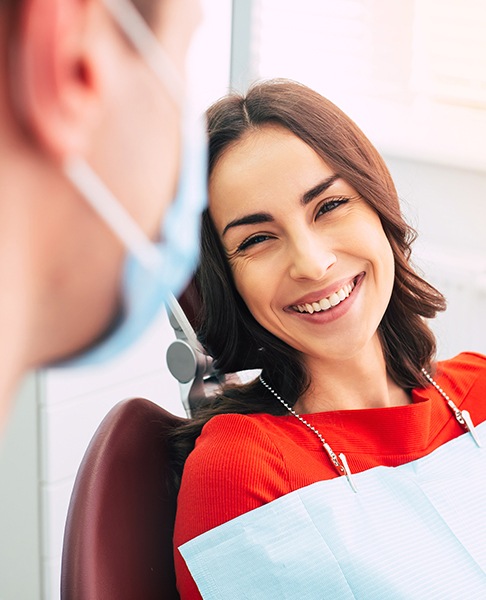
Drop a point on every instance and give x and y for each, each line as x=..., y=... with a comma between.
x=309, y=256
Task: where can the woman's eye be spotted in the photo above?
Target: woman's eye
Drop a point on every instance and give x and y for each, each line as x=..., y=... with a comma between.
x=330, y=205
x=252, y=241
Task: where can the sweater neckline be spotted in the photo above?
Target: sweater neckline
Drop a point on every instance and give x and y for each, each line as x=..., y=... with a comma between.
x=401, y=430
x=404, y=429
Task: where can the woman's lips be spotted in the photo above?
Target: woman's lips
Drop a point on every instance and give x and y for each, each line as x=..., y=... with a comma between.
x=325, y=300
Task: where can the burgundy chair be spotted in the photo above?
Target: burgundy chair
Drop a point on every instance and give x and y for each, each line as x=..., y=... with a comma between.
x=118, y=536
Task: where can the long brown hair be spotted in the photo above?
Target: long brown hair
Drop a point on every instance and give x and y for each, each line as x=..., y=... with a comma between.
x=228, y=330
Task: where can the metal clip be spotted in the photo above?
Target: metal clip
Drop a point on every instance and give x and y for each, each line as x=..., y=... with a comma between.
x=347, y=472
x=470, y=426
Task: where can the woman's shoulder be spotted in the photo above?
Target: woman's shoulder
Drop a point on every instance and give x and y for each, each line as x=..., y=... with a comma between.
x=235, y=447
x=465, y=363
x=236, y=432
x=464, y=375
x=234, y=467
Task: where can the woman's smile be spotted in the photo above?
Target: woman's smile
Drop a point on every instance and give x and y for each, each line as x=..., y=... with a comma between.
x=324, y=300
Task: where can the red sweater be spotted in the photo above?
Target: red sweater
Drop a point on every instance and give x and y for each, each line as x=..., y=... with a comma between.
x=241, y=462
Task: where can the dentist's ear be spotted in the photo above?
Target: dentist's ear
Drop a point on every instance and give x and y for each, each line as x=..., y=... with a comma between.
x=56, y=84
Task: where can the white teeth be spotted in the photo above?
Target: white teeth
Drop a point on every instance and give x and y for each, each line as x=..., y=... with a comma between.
x=326, y=303
x=334, y=299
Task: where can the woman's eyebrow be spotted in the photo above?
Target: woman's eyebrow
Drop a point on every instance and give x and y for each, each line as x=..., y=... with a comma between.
x=249, y=220
x=318, y=189
x=267, y=217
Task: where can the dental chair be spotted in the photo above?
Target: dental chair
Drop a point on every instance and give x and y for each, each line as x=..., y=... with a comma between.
x=118, y=535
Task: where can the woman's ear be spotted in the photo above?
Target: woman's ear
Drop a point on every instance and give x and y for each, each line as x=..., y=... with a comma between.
x=56, y=80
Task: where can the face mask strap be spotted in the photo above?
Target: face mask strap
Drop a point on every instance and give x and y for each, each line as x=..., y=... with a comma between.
x=82, y=175
x=111, y=211
x=148, y=46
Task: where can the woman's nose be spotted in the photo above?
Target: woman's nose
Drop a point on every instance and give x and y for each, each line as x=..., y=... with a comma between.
x=310, y=257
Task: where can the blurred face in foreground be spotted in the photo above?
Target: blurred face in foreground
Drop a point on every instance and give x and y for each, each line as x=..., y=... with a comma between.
x=75, y=86
x=86, y=91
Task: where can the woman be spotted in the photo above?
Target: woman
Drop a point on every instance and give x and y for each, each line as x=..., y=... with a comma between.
x=306, y=275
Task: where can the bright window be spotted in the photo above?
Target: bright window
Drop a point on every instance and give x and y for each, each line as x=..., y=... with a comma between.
x=412, y=73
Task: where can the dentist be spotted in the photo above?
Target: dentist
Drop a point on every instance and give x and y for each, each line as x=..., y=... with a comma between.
x=102, y=176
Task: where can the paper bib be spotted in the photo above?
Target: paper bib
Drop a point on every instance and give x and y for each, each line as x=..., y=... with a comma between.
x=413, y=532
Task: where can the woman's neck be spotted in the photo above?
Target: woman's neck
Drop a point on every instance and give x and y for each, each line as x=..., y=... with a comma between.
x=358, y=382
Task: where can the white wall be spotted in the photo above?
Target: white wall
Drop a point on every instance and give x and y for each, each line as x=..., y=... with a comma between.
x=447, y=206
x=20, y=567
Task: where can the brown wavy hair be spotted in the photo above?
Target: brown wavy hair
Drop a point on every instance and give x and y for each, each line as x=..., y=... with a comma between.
x=229, y=332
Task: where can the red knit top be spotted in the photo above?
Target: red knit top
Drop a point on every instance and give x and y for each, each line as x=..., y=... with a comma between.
x=241, y=462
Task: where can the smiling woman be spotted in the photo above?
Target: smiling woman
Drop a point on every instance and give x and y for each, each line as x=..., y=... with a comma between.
x=331, y=144
x=318, y=241
x=306, y=275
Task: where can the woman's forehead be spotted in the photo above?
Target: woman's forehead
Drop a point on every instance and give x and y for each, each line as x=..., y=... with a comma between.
x=267, y=166
x=257, y=143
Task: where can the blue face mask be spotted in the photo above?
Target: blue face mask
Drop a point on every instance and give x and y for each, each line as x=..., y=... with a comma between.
x=153, y=272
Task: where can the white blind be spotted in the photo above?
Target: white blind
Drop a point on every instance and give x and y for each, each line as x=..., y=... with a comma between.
x=411, y=72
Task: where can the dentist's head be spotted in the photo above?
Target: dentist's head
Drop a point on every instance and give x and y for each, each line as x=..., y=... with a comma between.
x=102, y=174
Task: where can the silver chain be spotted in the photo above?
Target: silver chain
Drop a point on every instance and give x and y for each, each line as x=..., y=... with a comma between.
x=453, y=407
x=462, y=416
x=339, y=461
